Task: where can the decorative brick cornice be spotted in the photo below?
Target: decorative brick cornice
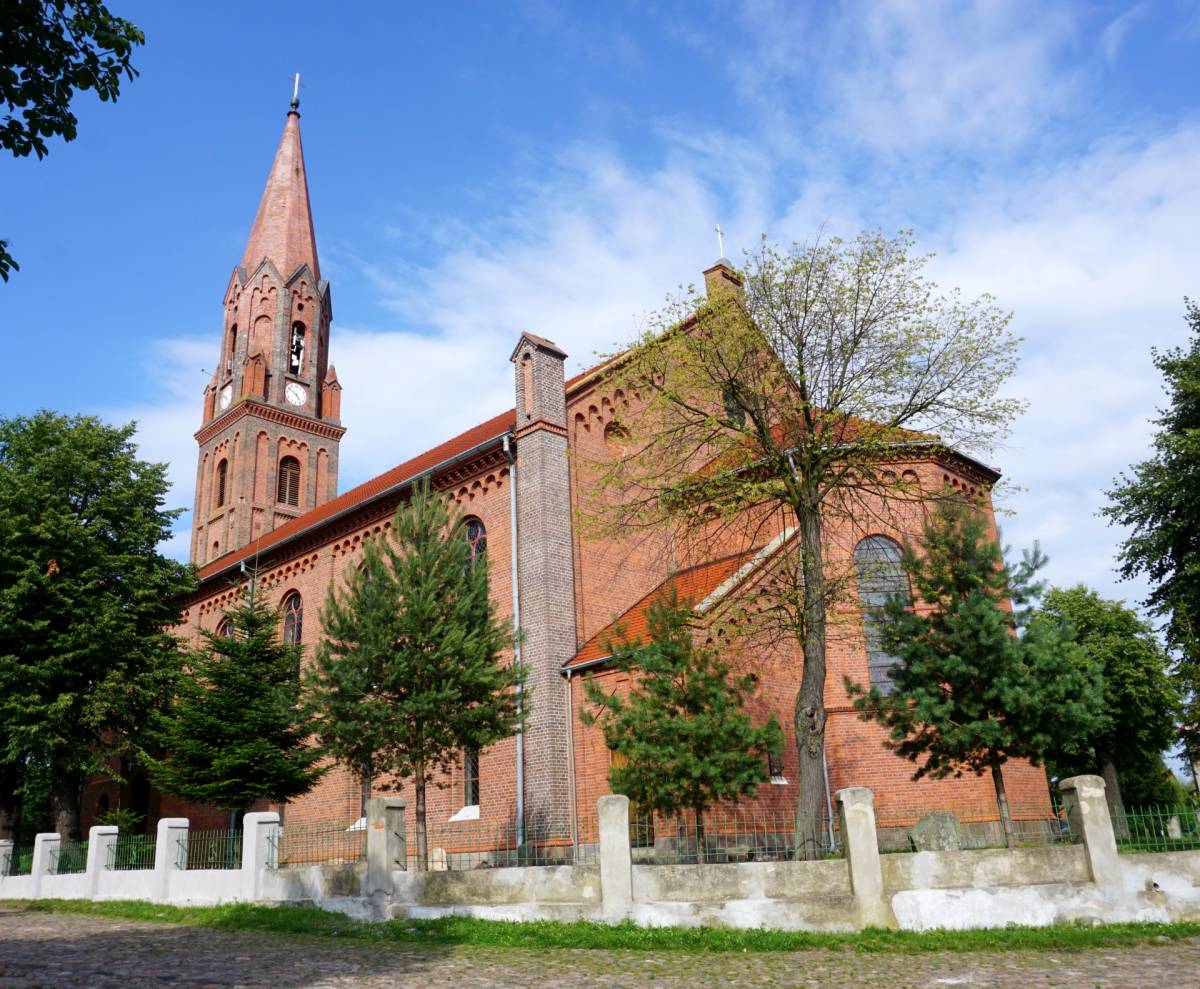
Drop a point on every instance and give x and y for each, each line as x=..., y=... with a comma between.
x=291, y=420
x=541, y=424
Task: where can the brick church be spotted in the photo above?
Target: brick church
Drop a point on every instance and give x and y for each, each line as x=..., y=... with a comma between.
x=267, y=496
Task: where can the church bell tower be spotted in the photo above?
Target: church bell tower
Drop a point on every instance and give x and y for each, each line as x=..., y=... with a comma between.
x=272, y=411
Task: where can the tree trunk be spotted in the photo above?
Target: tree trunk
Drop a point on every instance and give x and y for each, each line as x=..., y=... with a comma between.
x=810, y=699
x=1002, y=802
x=701, y=851
x=422, y=844
x=64, y=803
x=1112, y=794
x=10, y=802
x=366, y=788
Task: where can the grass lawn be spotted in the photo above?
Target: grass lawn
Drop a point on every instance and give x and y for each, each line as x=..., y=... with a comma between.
x=311, y=922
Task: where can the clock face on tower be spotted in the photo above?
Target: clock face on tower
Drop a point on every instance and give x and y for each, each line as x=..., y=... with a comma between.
x=226, y=396
x=296, y=394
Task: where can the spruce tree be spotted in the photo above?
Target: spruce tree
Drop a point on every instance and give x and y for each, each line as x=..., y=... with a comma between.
x=682, y=728
x=980, y=677
x=410, y=672
x=233, y=736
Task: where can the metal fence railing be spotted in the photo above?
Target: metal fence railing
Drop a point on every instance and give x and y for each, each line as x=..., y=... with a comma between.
x=20, y=862
x=733, y=836
x=459, y=846
x=1157, y=829
x=131, y=851
x=211, y=850
x=69, y=857
x=953, y=826
x=297, y=845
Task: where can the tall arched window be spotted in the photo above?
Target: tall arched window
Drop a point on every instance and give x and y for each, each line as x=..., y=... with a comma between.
x=288, y=492
x=293, y=619
x=232, y=347
x=880, y=576
x=222, y=477
x=476, y=536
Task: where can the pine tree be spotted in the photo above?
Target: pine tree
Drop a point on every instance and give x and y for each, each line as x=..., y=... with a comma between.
x=233, y=736
x=682, y=729
x=976, y=682
x=409, y=674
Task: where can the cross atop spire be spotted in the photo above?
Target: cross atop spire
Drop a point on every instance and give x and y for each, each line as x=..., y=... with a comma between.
x=283, y=227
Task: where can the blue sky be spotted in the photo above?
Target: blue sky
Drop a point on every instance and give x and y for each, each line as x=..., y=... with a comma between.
x=480, y=169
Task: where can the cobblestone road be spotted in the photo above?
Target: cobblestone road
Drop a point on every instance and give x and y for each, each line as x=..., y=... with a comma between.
x=64, y=950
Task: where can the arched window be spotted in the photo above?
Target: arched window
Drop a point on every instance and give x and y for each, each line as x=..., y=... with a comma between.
x=880, y=576
x=222, y=476
x=225, y=629
x=296, y=351
x=288, y=492
x=476, y=536
x=735, y=415
x=232, y=347
x=293, y=619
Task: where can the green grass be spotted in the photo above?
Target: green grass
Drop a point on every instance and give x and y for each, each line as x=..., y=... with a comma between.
x=310, y=922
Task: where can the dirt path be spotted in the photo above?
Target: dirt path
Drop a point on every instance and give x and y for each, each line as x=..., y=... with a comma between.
x=65, y=950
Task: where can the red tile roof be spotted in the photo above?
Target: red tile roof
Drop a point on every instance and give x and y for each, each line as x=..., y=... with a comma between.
x=493, y=429
x=693, y=584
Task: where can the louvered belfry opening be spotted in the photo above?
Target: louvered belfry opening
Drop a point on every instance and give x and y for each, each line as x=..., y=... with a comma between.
x=289, y=482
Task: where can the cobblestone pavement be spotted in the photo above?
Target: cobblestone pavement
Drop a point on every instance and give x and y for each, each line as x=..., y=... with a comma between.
x=65, y=950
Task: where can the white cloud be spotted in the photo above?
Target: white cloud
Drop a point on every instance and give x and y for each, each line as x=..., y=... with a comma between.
x=1116, y=30
x=907, y=76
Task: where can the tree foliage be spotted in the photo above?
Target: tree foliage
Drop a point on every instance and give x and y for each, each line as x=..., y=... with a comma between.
x=1159, y=503
x=49, y=50
x=409, y=672
x=791, y=398
x=686, y=740
x=232, y=735
x=978, y=682
x=86, y=598
x=1141, y=699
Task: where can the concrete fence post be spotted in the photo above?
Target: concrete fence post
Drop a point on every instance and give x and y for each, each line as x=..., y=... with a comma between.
x=1087, y=811
x=616, y=860
x=386, y=850
x=44, y=848
x=856, y=808
x=170, y=854
x=101, y=839
x=260, y=845
x=6, y=854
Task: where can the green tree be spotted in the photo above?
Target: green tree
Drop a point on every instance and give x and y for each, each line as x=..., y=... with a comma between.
x=978, y=682
x=409, y=672
x=86, y=599
x=49, y=50
x=233, y=735
x=682, y=728
x=792, y=395
x=1159, y=503
x=1140, y=697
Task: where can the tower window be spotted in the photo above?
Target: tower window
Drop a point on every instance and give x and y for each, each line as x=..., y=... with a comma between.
x=880, y=573
x=470, y=777
x=222, y=474
x=296, y=351
x=288, y=489
x=476, y=535
x=232, y=347
x=293, y=619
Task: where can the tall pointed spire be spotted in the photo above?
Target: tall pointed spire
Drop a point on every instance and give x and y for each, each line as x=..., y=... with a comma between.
x=283, y=227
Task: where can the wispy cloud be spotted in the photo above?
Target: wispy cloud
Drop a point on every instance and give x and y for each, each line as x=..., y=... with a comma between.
x=1116, y=30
